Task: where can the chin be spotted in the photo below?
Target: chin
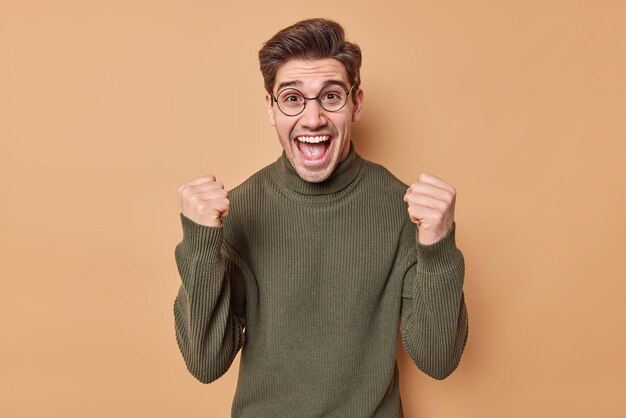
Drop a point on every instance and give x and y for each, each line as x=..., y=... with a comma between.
x=313, y=176
x=318, y=171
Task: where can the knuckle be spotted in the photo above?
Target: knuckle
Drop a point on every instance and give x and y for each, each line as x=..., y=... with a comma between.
x=202, y=206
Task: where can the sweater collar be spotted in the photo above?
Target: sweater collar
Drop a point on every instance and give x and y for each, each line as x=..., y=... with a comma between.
x=344, y=174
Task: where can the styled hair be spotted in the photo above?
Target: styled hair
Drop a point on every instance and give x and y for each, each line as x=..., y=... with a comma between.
x=310, y=39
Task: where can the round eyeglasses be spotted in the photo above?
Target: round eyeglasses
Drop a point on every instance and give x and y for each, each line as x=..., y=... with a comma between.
x=332, y=98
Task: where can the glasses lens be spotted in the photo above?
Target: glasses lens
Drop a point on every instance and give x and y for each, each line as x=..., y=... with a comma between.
x=333, y=97
x=290, y=101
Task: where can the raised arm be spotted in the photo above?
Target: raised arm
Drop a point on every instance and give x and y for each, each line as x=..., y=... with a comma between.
x=209, y=309
x=434, y=316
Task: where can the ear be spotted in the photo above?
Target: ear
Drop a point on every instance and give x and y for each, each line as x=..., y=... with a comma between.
x=270, y=108
x=357, y=105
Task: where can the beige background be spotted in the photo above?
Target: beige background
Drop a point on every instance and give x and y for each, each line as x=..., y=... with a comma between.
x=107, y=106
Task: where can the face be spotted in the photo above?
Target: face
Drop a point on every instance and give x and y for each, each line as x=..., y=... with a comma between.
x=315, y=141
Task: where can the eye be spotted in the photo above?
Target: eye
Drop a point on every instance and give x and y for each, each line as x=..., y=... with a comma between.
x=290, y=98
x=332, y=96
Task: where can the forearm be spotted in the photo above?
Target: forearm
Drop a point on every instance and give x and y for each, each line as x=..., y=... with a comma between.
x=208, y=332
x=434, y=318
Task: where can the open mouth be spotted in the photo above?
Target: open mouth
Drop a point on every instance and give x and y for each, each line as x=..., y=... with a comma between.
x=313, y=149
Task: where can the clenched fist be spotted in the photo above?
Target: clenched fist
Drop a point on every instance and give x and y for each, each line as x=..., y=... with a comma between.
x=431, y=207
x=204, y=201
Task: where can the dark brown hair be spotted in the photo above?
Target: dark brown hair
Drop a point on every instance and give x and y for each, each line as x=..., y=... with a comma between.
x=310, y=39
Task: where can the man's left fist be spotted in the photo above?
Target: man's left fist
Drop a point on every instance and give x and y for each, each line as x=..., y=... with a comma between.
x=431, y=207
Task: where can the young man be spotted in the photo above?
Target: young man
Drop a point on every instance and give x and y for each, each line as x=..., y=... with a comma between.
x=312, y=264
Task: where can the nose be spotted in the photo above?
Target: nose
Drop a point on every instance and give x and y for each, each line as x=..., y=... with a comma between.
x=313, y=116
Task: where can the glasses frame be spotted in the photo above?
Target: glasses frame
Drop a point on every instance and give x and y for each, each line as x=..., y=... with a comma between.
x=316, y=98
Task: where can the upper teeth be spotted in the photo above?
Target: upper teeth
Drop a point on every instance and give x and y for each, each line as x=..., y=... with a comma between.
x=313, y=139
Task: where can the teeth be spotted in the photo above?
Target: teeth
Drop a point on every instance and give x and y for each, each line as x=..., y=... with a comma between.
x=313, y=139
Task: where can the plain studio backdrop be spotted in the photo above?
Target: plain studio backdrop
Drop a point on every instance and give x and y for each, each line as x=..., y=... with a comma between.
x=107, y=106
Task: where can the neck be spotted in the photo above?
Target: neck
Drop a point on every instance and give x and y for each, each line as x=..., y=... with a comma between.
x=343, y=175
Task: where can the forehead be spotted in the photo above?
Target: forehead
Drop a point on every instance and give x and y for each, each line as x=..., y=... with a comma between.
x=310, y=73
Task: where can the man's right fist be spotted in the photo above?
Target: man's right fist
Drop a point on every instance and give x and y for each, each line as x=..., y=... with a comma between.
x=204, y=200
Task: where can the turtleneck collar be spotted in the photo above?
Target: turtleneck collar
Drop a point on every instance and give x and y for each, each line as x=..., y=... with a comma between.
x=345, y=173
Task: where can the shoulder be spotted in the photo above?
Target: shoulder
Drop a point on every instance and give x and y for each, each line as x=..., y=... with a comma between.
x=247, y=201
x=378, y=177
x=383, y=192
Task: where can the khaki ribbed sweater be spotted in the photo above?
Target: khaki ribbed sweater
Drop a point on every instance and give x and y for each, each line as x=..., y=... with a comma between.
x=313, y=280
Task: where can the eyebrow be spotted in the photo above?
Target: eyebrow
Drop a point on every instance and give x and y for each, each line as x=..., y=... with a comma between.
x=298, y=83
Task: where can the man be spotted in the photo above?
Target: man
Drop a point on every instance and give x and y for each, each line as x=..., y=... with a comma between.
x=312, y=263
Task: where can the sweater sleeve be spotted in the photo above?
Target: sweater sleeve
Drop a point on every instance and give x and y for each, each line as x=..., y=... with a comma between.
x=209, y=309
x=434, y=323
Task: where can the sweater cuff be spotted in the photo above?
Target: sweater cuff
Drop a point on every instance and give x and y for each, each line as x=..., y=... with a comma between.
x=202, y=242
x=440, y=257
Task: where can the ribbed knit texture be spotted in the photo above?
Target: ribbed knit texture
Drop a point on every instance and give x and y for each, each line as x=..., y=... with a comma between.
x=320, y=276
